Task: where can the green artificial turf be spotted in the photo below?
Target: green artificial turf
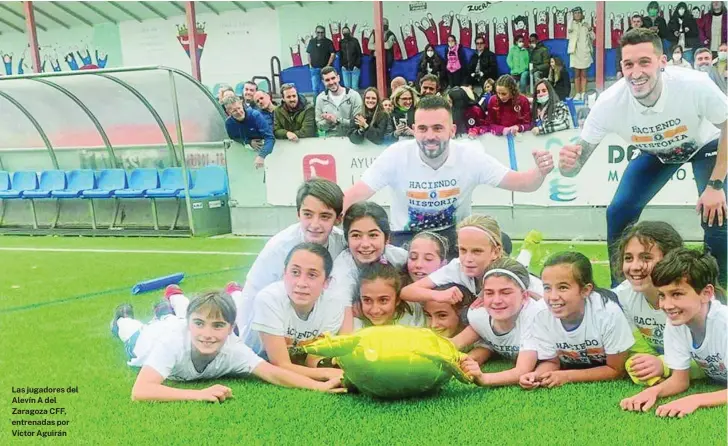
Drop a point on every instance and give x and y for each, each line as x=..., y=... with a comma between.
x=55, y=309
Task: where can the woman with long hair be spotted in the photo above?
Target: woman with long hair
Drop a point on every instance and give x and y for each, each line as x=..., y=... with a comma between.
x=509, y=112
x=374, y=123
x=430, y=63
x=549, y=114
x=559, y=77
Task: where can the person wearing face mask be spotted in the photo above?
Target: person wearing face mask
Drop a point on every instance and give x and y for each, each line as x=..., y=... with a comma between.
x=677, y=59
x=518, y=60
x=549, y=113
x=455, y=66
x=540, y=57
x=713, y=28
x=430, y=63
x=721, y=62
x=350, y=53
x=654, y=22
x=389, y=40
x=683, y=29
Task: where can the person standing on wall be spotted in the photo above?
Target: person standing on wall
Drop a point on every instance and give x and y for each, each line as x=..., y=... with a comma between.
x=321, y=53
x=389, y=39
x=581, y=42
x=649, y=107
x=350, y=52
x=654, y=22
x=433, y=177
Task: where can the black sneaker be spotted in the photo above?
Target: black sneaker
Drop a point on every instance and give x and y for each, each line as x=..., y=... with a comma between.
x=123, y=310
x=163, y=308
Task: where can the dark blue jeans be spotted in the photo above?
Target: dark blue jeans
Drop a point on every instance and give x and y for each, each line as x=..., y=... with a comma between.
x=642, y=180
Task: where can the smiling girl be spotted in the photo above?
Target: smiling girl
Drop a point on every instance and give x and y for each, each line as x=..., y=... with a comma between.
x=582, y=327
x=379, y=286
x=503, y=323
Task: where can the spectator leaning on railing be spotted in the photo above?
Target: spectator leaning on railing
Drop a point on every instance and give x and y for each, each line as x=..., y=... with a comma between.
x=266, y=107
x=293, y=119
x=248, y=126
x=549, y=114
x=337, y=106
x=249, y=90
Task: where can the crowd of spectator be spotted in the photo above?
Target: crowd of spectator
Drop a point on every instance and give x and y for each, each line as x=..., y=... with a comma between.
x=483, y=100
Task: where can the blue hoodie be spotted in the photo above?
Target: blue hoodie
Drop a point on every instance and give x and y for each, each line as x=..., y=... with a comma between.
x=254, y=126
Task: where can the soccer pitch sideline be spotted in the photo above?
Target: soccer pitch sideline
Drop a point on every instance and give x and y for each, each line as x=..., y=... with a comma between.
x=57, y=296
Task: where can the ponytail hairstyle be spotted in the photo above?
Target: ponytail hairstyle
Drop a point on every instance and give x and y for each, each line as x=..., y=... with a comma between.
x=649, y=233
x=513, y=267
x=699, y=269
x=488, y=225
x=389, y=273
x=581, y=268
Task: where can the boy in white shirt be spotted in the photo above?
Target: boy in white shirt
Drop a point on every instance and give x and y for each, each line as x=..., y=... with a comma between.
x=319, y=204
x=294, y=312
x=204, y=348
x=696, y=330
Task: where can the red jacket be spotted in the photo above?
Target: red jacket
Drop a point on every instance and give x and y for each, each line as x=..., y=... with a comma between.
x=704, y=25
x=507, y=114
x=476, y=123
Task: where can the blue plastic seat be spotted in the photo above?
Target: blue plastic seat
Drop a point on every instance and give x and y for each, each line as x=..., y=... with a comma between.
x=171, y=183
x=109, y=181
x=23, y=180
x=4, y=181
x=140, y=181
x=211, y=181
x=50, y=180
x=78, y=181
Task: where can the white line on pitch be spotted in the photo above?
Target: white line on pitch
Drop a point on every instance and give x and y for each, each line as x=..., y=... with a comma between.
x=134, y=251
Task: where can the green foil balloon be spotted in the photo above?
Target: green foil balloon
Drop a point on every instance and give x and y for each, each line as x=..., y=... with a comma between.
x=392, y=361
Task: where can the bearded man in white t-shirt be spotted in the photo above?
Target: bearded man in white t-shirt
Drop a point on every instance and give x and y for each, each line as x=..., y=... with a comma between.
x=433, y=177
x=673, y=116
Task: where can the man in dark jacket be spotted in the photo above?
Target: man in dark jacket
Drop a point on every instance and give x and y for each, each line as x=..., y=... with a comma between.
x=247, y=126
x=293, y=119
x=350, y=52
x=540, y=58
x=482, y=65
x=654, y=21
x=321, y=53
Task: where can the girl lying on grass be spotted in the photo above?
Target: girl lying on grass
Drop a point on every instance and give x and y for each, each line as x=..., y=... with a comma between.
x=295, y=311
x=503, y=323
x=582, y=335
x=202, y=347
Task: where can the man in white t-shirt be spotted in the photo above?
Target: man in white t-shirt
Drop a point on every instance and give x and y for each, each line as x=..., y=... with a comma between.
x=672, y=116
x=433, y=178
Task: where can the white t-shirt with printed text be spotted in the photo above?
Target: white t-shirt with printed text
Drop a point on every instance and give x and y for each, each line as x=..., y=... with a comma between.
x=711, y=354
x=345, y=273
x=424, y=198
x=603, y=331
x=453, y=273
x=683, y=120
x=508, y=344
x=274, y=314
x=172, y=358
x=269, y=266
x=649, y=321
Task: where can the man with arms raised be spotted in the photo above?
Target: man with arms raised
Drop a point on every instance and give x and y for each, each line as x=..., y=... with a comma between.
x=433, y=177
x=672, y=116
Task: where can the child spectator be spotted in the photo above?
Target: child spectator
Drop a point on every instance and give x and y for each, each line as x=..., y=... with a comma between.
x=518, y=60
x=509, y=112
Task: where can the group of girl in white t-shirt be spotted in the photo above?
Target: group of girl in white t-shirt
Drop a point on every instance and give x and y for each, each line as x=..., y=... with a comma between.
x=556, y=329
